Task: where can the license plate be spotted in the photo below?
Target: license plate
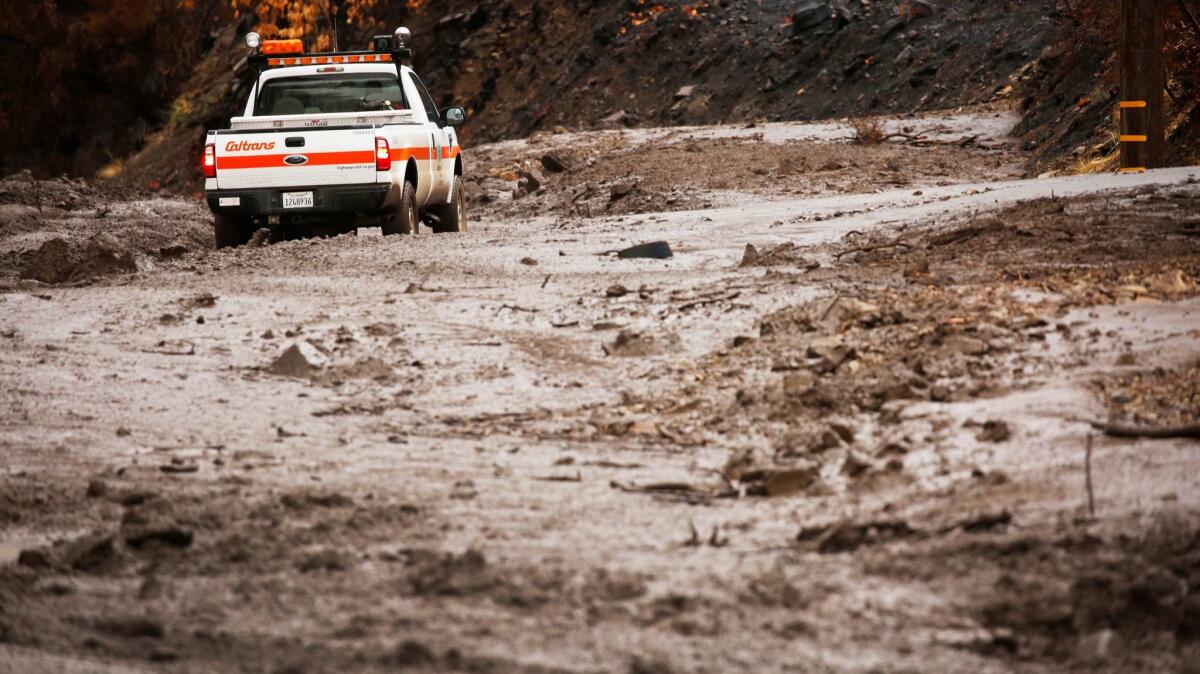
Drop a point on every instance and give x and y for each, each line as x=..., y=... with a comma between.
x=297, y=199
x=231, y=201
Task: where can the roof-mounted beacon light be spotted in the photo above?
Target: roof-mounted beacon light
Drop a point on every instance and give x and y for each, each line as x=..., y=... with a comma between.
x=403, y=38
x=253, y=40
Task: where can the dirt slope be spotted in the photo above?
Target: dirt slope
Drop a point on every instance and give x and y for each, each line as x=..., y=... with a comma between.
x=521, y=66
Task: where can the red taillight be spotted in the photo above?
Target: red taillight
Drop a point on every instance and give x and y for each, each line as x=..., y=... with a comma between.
x=210, y=161
x=383, y=155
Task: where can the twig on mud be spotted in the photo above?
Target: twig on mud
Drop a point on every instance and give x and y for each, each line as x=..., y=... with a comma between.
x=578, y=477
x=825, y=314
x=675, y=491
x=914, y=137
x=871, y=249
x=1087, y=473
x=568, y=324
x=546, y=280
x=716, y=540
x=712, y=300
x=694, y=541
x=613, y=464
x=1155, y=433
x=173, y=348
x=514, y=307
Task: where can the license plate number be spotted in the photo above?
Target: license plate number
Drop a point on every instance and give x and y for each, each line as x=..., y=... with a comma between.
x=297, y=199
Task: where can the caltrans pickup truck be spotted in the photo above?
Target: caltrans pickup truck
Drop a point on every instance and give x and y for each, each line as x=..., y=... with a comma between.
x=332, y=142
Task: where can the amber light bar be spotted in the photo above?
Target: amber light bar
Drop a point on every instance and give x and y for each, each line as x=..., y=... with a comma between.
x=327, y=60
x=277, y=47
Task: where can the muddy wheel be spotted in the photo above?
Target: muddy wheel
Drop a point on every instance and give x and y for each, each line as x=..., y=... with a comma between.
x=452, y=217
x=404, y=219
x=229, y=232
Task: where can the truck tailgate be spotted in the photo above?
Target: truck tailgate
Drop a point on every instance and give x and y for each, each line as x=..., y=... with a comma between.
x=296, y=158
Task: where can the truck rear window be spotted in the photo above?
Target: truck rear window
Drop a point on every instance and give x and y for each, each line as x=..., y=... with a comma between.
x=318, y=94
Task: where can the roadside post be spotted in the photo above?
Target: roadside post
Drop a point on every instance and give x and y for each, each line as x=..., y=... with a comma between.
x=1143, y=78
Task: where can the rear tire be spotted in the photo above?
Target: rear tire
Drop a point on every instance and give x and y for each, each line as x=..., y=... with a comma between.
x=229, y=232
x=452, y=217
x=403, y=219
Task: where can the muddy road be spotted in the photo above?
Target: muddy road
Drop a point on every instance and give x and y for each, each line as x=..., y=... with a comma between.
x=862, y=420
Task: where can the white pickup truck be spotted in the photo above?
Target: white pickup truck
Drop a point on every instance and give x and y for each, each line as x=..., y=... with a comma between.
x=332, y=142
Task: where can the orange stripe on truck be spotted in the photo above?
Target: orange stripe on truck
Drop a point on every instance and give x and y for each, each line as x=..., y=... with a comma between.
x=255, y=161
x=423, y=153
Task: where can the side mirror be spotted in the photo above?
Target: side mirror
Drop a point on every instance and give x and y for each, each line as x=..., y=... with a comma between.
x=455, y=116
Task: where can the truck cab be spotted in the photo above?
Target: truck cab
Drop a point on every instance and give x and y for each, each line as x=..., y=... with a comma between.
x=331, y=142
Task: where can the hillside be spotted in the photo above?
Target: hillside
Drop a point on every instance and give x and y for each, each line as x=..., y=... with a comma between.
x=141, y=108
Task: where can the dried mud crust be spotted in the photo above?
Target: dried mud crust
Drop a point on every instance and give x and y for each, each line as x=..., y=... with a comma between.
x=71, y=231
x=364, y=454
x=614, y=174
x=112, y=591
x=906, y=321
x=1155, y=398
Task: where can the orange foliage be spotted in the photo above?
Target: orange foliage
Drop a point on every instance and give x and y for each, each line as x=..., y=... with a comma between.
x=314, y=21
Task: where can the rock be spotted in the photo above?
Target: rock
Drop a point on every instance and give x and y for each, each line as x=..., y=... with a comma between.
x=132, y=626
x=656, y=250
x=619, y=191
x=799, y=383
x=965, y=345
x=451, y=575
x=34, y=559
x=646, y=665
x=843, y=431
x=824, y=441
x=151, y=588
x=173, y=251
x=304, y=500
x=631, y=344
x=554, y=163
x=994, y=431
x=619, y=119
x=299, y=360
x=410, y=653
x=685, y=92
x=529, y=262
x=830, y=353
x=920, y=8
x=260, y=238
x=781, y=255
x=845, y=311
x=531, y=181
x=848, y=536
x=91, y=553
x=97, y=489
x=167, y=534
x=329, y=559
x=809, y=15
x=104, y=255
x=616, y=290
x=788, y=482
x=53, y=262
x=854, y=465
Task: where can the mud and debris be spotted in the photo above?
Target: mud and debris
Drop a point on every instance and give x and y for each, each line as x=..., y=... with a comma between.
x=848, y=425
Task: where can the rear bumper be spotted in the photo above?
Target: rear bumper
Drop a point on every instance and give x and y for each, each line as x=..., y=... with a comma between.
x=328, y=202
